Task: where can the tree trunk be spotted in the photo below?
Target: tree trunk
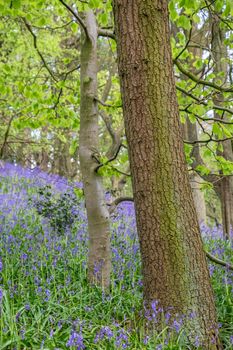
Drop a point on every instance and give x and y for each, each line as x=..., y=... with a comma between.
x=174, y=266
x=99, y=259
x=198, y=197
x=225, y=190
x=190, y=133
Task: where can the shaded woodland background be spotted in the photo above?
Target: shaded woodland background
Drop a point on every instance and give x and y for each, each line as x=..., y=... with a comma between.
x=66, y=178
x=40, y=95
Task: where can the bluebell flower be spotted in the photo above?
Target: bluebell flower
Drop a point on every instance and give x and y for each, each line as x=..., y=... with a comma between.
x=76, y=339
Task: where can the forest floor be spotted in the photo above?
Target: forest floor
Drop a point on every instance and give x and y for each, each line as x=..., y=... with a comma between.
x=45, y=300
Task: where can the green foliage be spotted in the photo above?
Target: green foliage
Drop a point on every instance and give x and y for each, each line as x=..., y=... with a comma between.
x=40, y=85
x=203, y=170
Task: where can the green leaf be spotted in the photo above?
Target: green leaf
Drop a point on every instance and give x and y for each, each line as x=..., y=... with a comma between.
x=184, y=22
x=220, y=147
x=192, y=118
x=6, y=68
x=172, y=10
x=94, y=3
x=41, y=21
x=226, y=131
x=207, y=153
x=103, y=18
x=16, y=4
x=216, y=129
x=218, y=4
x=73, y=147
x=78, y=192
x=196, y=18
x=206, y=186
x=62, y=138
x=203, y=170
x=74, y=27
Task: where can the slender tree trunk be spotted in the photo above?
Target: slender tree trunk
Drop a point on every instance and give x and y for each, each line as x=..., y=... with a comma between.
x=174, y=266
x=99, y=260
x=44, y=163
x=198, y=197
x=190, y=133
x=225, y=190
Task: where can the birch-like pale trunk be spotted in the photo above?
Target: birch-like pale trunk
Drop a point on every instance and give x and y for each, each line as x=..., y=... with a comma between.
x=99, y=257
x=191, y=134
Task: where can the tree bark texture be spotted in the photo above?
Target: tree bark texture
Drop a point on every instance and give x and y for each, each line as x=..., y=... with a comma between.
x=99, y=258
x=174, y=266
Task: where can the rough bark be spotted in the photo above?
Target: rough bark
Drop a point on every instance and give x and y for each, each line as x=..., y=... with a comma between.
x=174, y=266
x=99, y=258
x=219, y=53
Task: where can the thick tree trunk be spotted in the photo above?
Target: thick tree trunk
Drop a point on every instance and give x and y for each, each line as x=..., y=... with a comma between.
x=99, y=259
x=174, y=266
x=225, y=190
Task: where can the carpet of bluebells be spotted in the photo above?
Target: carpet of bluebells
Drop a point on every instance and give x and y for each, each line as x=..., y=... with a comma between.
x=45, y=300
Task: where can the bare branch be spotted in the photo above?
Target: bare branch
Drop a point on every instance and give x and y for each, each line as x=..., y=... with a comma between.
x=105, y=104
x=218, y=261
x=120, y=172
x=117, y=201
x=79, y=19
x=106, y=33
x=53, y=28
x=37, y=49
x=207, y=141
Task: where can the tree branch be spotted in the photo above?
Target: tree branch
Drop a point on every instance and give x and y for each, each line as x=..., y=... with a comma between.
x=6, y=137
x=121, y=172
x=220, y=108
x=200, y=81
x=105, y=104
x=218, y=261
x=37, y=49
x=106, y=33
x=214, y=120
x=61, y=89
x=78, y=18
x=187, y=42
x=117, y=201
x=109, y=160
x=207, y=141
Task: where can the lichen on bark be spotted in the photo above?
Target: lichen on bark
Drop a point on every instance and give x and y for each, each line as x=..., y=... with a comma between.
x=174, y=266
